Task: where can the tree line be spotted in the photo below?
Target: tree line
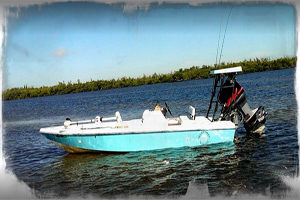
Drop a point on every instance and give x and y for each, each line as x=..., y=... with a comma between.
x=195, y=72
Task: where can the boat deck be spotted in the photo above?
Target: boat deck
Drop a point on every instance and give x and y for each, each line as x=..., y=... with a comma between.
x=182, y=123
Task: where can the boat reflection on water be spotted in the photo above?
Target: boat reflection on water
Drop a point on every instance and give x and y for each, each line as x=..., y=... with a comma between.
x=135, y=173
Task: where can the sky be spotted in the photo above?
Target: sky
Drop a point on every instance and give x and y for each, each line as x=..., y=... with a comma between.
x=56, y=42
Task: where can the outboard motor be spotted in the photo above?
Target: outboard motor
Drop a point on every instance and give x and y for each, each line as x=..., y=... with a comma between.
x=233, y=99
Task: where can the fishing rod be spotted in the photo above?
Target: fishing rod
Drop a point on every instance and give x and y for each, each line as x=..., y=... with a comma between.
x=232, y=98
x=225, y=34
x=218, y=78
x=218, y=44
x=218, y=63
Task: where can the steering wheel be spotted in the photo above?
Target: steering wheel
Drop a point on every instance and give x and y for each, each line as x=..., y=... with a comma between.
x=168, y=109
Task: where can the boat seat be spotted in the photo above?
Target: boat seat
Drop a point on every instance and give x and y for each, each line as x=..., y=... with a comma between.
x=154, y=118
x=192, y=113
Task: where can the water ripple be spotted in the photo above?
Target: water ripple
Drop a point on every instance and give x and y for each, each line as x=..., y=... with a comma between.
x=250, y=166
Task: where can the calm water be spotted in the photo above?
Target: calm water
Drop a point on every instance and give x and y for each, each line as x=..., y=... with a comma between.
x=251, y=166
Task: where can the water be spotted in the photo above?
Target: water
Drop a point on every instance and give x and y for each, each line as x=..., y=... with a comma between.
x=251, y=166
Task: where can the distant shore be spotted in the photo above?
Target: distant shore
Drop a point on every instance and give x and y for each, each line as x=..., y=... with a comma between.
x=195, y=72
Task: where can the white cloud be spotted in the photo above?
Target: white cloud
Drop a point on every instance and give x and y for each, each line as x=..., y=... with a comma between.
x=61, y=52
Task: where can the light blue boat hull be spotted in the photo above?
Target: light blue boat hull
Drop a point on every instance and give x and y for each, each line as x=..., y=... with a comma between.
x=141, y=141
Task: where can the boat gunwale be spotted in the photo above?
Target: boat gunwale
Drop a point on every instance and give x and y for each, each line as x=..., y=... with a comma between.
x=136, y=133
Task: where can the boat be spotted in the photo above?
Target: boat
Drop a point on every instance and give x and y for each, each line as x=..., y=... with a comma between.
x=155, y=130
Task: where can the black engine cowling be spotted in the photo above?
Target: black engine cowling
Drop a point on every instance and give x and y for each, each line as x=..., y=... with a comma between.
x=235, y=106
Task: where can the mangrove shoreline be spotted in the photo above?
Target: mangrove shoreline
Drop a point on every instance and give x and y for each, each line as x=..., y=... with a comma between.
x=249, y=66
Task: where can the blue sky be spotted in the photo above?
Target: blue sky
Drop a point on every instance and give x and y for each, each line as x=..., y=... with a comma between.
x=56, y=42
